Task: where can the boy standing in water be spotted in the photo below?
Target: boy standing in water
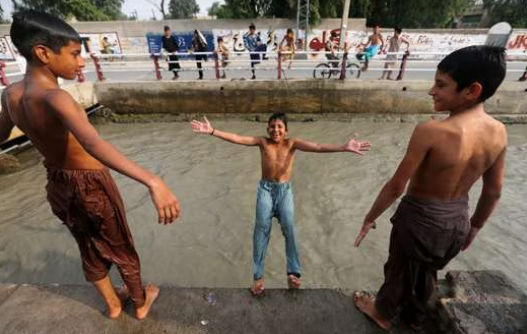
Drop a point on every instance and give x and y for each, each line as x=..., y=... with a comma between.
x=80, y=190
x=275, y=194
x=443, y=160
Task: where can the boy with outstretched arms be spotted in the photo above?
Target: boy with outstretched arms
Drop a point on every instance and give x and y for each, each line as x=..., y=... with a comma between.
x=80, y=190
x=443, y=160
x=275, y=194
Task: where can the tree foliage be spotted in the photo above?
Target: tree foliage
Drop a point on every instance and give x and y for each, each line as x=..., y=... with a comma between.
x=405, y=13
x=82, y=10
x=512, y=11
x=416, y=13
x=2, y=20
x=182, y=9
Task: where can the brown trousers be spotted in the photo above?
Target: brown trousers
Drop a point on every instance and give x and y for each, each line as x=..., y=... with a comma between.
x=89, y=204
x=426, y=235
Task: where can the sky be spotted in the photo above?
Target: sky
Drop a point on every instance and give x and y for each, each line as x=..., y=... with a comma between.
x=143, y=8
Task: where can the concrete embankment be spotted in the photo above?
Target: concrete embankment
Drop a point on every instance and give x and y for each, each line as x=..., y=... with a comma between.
x=323, y=98
x=473, y=302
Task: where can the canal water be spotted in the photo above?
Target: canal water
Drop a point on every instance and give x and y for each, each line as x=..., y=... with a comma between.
x=211, y=244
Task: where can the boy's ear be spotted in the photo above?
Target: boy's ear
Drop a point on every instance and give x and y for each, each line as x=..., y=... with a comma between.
x=474, y=91
x=42, y=53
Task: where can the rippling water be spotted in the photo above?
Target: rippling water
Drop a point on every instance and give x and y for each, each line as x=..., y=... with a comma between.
x=216, y=184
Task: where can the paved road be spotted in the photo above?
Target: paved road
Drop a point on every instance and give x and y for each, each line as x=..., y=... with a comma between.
x=144, y=70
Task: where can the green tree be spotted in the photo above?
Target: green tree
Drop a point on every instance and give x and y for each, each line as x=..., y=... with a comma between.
x=2, y=20
x=182, y=9
x=512, y=11
x=82, y=10
x=214, y=9
x=415, y=13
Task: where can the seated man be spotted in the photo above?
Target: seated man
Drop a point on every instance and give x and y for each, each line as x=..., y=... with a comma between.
x=332, y=46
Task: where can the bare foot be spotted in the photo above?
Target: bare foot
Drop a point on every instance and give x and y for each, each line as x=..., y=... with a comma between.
x=151, y=293
x=366, y=305
x=258, y=287
x=115, y=310
x=293, y=282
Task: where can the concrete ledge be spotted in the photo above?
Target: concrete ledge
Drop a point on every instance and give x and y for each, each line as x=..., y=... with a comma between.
x=291, y=96
x=77, y=309
x=477, y=302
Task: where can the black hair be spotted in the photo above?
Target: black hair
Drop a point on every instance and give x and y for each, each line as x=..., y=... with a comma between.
x=289, y=31
x=333, y=34
x=220, y=39
x=31, y=28
x=166, y=28
x=398, y=30
x=252, y=26
x=477, y=63
x=278, y=116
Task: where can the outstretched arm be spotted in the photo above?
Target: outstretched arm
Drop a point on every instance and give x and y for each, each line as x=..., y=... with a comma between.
x=417, y=150
x=353, y=146
x=6, y=124
x=490, y=195
x=206, y=128
x=75, y=119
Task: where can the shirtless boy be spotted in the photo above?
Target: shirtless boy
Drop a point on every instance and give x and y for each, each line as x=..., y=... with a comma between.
x=371, y=48
x=80, y=190
x=443, y=160
x=275, y=194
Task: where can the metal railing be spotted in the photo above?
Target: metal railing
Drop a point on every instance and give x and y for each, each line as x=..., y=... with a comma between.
x=282, y=62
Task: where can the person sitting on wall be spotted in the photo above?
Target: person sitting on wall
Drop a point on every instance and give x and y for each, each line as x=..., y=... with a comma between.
x=371, y=47
x=288, y=46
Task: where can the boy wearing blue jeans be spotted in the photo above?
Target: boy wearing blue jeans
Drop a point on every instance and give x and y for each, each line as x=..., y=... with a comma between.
x=275, y=193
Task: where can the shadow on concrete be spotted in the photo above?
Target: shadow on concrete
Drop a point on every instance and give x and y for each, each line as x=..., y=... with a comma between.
x=77, y=309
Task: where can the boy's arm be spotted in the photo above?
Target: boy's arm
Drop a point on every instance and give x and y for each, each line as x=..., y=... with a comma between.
x=489, y=197
x=206, y=128
x=417, y=149
x=353, y=146
x=75, y=119
x=6, y=124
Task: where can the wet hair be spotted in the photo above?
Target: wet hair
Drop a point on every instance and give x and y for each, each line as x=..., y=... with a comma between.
x=398, y=30
x=31, y=28
x=220, y=39
x=166, y=28
x=278, y=116
x=252, y=26
x=477, y=63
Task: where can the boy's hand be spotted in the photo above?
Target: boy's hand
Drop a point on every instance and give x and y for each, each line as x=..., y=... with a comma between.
x=470, y=238
x=366, y=226
x=202, y=127
x=357, y=147
x=165, y=202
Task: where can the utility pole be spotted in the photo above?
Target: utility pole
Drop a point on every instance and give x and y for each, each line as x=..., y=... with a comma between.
x=302, y=18
x=344, y=24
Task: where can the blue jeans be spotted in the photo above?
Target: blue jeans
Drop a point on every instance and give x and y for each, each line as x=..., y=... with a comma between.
x=274, y=199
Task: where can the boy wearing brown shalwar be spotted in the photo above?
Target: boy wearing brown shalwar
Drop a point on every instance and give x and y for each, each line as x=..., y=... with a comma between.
x=443, y=160
x=80, y=189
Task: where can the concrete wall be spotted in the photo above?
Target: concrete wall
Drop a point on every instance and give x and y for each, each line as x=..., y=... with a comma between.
x=300, y=96
x=141, y=28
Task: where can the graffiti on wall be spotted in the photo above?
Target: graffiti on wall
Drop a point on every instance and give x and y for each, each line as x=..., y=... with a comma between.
x=92, y=42
x=6, y=51
x=518, y=41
